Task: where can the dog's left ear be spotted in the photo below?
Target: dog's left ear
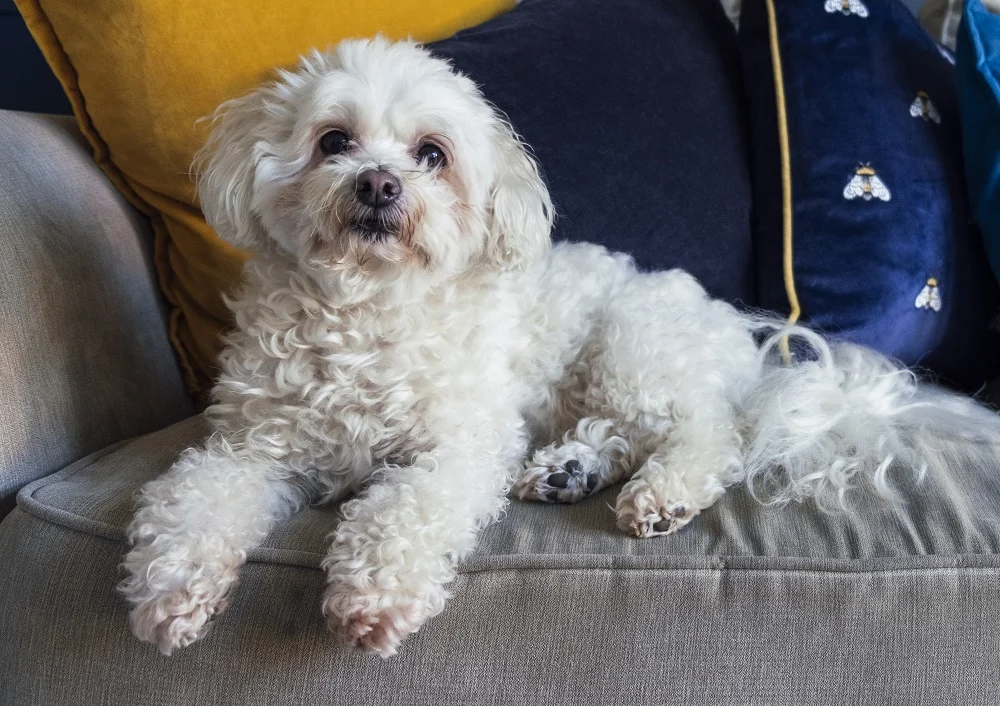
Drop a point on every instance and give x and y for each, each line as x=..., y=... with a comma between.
x=521, y=213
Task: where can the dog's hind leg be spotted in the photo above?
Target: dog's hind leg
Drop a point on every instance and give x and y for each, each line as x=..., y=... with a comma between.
x=672, y=486
x=671, y=366
x=689, y=469
x=587, y=460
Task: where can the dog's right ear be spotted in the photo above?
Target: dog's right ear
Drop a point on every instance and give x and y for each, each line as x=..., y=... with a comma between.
x=521, y=211
x=226, y=168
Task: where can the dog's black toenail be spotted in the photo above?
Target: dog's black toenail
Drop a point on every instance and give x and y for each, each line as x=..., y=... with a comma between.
x=552, y=496
x=558, y=480
x=591, y=481
x=573, y=466
x=663, y=525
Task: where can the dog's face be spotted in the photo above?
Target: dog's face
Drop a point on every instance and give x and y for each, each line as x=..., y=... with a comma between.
x=370, y=162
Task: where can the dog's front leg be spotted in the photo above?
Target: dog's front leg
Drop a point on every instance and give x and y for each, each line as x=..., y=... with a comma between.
x=191, y=534
x=395, y=551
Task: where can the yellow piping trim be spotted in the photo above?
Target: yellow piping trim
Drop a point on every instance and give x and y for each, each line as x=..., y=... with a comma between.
x=786, y=177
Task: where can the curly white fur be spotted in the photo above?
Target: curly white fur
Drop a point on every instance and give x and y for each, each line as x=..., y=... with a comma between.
x=414, y=363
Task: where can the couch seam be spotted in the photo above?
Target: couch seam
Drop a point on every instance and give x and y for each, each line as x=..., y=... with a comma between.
x=598, y=562
x=26, y=494
x=722, y=566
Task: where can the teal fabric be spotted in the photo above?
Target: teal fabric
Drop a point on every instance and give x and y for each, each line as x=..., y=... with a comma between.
x=979, y=96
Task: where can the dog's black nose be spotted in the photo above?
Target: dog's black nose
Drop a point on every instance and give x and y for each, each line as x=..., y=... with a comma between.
x=377, y=188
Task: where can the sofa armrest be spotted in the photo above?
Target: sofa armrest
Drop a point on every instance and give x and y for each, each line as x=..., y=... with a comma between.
x=84, y=359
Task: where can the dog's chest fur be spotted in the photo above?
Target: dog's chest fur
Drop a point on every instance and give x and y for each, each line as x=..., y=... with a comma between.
x=347, y=389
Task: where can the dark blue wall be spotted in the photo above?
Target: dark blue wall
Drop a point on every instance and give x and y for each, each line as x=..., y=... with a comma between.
x=25, y=80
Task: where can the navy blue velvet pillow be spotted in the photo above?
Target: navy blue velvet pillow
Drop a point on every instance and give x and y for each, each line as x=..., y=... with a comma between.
x=881, y=250
x=635, y=111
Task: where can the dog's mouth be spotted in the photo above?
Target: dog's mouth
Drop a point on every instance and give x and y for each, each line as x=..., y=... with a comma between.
x=374, y=227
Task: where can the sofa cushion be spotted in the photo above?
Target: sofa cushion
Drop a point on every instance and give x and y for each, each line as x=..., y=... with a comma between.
x=642, y=141
x=747, y=605
x=84, y=358
x=868, y=239
x=945, y=521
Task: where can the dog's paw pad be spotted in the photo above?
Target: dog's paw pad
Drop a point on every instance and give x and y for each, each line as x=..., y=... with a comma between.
x=558, y=479
x=568, y=482
x=674, y=518
x=640, y=512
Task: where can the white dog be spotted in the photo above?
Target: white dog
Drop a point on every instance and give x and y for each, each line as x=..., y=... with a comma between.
x=406, y=335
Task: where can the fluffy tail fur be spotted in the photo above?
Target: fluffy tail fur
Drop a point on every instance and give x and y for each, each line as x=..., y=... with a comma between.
x=849, y=418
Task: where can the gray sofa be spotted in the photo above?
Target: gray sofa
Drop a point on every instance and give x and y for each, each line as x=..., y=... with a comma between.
x=749, y=605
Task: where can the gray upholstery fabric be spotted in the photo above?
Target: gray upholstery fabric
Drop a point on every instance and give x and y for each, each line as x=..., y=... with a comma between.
x=946, y=520
x=85, y=359
x=748, y=605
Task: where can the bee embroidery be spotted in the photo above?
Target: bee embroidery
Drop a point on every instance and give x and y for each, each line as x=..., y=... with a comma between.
x=929, y=297
x=866, y=184
x=921, y=107
x=847, y=7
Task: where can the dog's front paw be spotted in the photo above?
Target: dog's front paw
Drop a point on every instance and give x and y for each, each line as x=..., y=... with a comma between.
x=641, y=512
x=174, y=601
x=561, y=473
x=176, y=619
x=376, y=623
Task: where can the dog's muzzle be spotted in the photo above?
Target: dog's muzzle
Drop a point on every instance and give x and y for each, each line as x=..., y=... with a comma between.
x=377, y=211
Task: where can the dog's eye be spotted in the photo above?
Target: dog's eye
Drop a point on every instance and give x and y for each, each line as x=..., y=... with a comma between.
x=431, y=155
x=334, y=142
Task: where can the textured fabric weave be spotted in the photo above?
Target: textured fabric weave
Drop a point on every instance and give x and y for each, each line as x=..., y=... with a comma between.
x=748, y=605
x=512, y=637
x=84, y=358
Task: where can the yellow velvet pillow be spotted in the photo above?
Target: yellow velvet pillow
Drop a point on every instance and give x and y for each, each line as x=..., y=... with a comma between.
x=140, y=74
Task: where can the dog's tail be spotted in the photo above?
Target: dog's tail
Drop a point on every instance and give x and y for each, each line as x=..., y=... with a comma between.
x=849, y=417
